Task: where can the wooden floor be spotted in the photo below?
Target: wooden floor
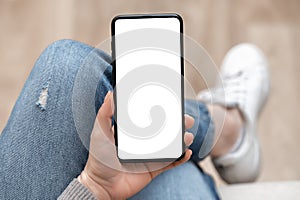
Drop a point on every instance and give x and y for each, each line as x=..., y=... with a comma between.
x=27, y=27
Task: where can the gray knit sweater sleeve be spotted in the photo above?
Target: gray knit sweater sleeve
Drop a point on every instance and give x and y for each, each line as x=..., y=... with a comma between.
x=76, y=190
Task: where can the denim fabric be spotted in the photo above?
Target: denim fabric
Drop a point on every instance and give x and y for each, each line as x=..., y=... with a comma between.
x=42, y=149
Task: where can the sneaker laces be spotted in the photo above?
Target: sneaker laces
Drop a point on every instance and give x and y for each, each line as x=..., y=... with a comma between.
x=229, y=92
x=235, y=87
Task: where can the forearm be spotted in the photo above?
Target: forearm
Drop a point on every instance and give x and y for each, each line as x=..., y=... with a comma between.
x=76, y=190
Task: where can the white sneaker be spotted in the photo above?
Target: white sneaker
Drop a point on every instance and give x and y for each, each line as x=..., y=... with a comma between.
x=246, y=83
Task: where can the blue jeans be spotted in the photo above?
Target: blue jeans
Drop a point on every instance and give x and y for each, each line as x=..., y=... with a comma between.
x=42, y=151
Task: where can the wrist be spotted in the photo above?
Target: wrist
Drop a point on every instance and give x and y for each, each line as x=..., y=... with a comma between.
x=98, y=190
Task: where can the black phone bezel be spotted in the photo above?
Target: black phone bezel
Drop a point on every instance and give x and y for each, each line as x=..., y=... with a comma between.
x=143, y=16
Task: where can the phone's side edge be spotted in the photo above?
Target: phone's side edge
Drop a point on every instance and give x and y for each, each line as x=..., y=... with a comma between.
x=113, y=52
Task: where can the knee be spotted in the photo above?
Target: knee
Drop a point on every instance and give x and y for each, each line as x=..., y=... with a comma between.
x=66, y=50
x=58, y=54
x=67, y=56
x=65, y=44
x=76, y=49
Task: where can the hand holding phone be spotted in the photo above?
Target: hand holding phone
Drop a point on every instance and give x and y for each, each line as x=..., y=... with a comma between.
x=104, y=175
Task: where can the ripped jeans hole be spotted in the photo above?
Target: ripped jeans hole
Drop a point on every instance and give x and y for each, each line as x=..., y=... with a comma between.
x=42, y=102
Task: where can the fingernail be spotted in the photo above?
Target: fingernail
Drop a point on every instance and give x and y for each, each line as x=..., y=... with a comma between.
x=188, y=116
x=107, y=95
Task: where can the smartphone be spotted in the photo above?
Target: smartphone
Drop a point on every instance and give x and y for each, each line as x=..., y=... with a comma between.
x=148, y=70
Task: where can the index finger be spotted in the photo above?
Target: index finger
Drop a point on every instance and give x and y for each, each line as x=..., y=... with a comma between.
x=188, y=121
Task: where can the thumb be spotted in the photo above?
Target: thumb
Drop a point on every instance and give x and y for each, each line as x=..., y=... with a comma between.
x=105, y=114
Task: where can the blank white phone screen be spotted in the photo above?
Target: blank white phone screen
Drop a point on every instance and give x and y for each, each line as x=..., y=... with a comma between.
x=148, y=88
